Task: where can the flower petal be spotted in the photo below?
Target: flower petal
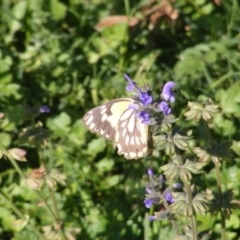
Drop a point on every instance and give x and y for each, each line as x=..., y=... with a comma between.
x=167, y=93
x=44, y=109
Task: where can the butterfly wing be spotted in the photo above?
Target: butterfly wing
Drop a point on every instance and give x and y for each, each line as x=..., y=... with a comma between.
x=131, y=136
x=116, y=122
x=103, y=119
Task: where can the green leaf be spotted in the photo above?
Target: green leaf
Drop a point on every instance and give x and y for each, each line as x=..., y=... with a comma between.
x=207, y=9
x=105, y=165
x=110, y=182
x=5, y=139
x=18, y=12
x=15, y=114
x=188, y=66
x=96, y=146
x=58, y=9
x=77, y=134
x=60, y=124
x=7, y=218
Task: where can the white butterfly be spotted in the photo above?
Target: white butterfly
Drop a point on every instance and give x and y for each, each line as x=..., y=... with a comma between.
x=117, y=122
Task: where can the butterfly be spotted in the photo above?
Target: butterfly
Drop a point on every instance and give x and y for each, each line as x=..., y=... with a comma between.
x=117, y=122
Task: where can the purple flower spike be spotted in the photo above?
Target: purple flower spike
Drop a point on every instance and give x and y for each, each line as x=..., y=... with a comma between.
x=44, y=109
x=131, y=85
x=177, y=185
x=169, y=198
x=167, y=93
x=151, y=218
x=144, y=116
x=148, y=202
x=146, y=98
x=163, y=107
x=150, y=172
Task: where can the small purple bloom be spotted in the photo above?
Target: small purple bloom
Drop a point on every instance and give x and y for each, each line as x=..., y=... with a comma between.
x=146, y=98
x=169, y=198
x=148, y=202
x=148, y=191
x=151, y=218
x=167, y=93
x=163, y=107
x=44, y=109
x=144, y=116
x=150, y=172
x=131, y=85
x=176, y=185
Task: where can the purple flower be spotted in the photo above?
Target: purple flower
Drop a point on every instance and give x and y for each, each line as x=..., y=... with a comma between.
x=44, y=109
x=131, y=85
x=169, y=198
x=163, y=107
x=150, y=172
x=148, y=202
x=144, y=116
x=176, y=185
x=146, y=98
x=148, y=191
x=151, y=218
x=167, y=93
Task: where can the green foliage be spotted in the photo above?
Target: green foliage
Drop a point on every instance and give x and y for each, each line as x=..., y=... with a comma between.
x=52, y=53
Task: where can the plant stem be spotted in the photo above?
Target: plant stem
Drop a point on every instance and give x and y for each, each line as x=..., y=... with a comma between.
x=193, y=218
x=190, y=199
x=55, y=220
x=54, y=203
x=175, y=227
x=18, y=169
x=173, y=222
x=210, y=141
x=219, y=184
x=55, y=213
x=20, y=214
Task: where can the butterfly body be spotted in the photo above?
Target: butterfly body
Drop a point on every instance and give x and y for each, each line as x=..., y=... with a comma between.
x=117, y=122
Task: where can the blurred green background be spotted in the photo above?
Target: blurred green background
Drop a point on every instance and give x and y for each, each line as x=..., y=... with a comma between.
x=70, y=55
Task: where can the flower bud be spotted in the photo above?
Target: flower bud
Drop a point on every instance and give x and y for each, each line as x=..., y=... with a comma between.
x=38, y=172
x=151, y=218
x=150, y=172
x=19, y=224
x=51, y=182
x=1, y=115
x=18, y=154
x=44, y=109
x=35, y=184
x=58, y=176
